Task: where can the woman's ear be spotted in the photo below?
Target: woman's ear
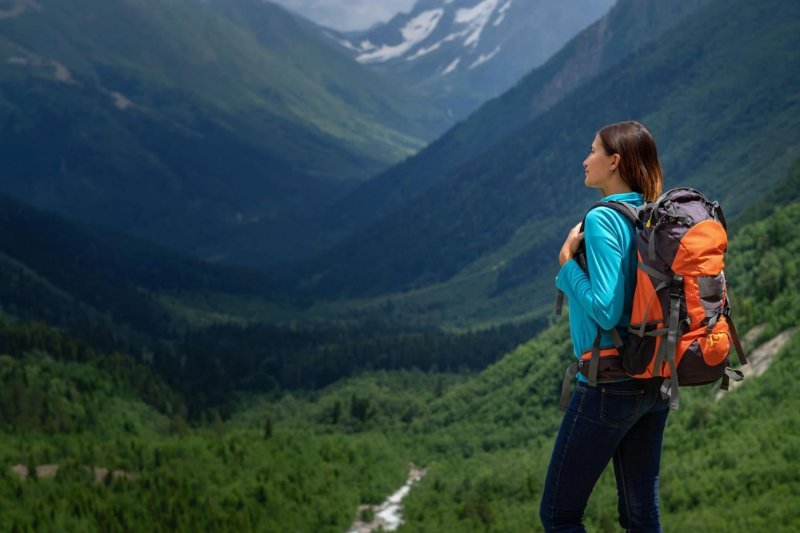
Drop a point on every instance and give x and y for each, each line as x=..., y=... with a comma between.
x=615, y=158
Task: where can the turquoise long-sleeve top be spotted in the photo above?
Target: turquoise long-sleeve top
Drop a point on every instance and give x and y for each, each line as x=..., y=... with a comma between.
x=604, y=298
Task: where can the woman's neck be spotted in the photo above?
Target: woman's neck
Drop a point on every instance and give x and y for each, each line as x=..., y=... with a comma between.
x=616, y=187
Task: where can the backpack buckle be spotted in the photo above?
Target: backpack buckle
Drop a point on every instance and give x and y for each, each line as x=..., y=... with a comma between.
x=676, y=285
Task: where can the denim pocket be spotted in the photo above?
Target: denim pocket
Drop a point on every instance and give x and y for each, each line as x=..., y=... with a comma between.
x=581, y=390
x=620, y=407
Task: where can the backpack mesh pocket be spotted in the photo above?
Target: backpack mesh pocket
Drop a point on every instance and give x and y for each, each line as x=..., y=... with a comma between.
x=640, y=347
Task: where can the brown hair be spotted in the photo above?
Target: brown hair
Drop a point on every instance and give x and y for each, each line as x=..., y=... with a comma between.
x=638, y=165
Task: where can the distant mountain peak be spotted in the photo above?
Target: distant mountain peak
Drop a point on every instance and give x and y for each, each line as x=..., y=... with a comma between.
x=417, y=36
x=467, y=51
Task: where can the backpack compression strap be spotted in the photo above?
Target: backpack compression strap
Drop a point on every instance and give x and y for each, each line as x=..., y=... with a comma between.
x=670, y=386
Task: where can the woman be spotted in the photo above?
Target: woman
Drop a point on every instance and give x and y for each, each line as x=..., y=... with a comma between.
x=621, y=420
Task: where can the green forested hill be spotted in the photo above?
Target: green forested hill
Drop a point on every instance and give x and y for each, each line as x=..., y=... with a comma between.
x=212, y=127
x=717, y=93
x=105, y=448
x=102, y=285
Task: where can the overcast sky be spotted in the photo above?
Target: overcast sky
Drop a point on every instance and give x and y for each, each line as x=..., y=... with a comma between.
x=347, y=14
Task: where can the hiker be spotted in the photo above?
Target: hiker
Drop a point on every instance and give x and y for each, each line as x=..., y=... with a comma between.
x=622, y=418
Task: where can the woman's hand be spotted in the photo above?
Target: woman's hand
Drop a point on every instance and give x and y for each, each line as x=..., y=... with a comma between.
x=570, y=247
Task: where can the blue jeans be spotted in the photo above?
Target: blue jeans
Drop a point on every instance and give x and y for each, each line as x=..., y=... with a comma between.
x=623, y=421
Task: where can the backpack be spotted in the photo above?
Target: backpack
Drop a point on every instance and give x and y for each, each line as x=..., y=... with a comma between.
x=681, y=327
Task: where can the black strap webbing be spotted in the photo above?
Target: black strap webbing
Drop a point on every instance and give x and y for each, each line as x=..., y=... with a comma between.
x=719, y=215
x=569, y=375
x=594, y=362
x=618, y=344
x=662, y=349
x=736, y=343
x=559, y=301
x=623, y=208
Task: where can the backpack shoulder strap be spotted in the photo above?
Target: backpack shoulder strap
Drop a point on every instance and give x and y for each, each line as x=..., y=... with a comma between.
x=623, y=208
x=626, y=210
x=630, y=213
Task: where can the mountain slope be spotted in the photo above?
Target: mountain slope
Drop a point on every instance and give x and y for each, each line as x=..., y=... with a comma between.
x=102, y=285
x=463, y=52
x=696, y=89
x=193, y=124
x=627, y=27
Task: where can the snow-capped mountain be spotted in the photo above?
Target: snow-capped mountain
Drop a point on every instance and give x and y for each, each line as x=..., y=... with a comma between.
x=467, y=51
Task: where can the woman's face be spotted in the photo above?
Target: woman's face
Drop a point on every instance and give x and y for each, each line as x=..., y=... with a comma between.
x=598, y=166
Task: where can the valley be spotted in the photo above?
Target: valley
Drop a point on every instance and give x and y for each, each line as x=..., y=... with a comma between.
x=255, y=279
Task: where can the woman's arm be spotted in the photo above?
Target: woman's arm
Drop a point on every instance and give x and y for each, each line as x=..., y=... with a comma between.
x=601, y=294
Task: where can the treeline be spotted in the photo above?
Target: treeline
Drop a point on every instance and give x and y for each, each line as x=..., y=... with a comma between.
x=222, y=359
x=26, y=401
x=207, y=369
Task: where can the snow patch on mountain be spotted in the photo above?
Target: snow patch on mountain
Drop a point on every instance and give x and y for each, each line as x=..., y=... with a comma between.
x=414, y=32
x=343, y=42
x=476, y=19
x=422, y=51
x=451, y=67
x=435, y=46
x=465, y=24
x=484, y=58
x=501, y=13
